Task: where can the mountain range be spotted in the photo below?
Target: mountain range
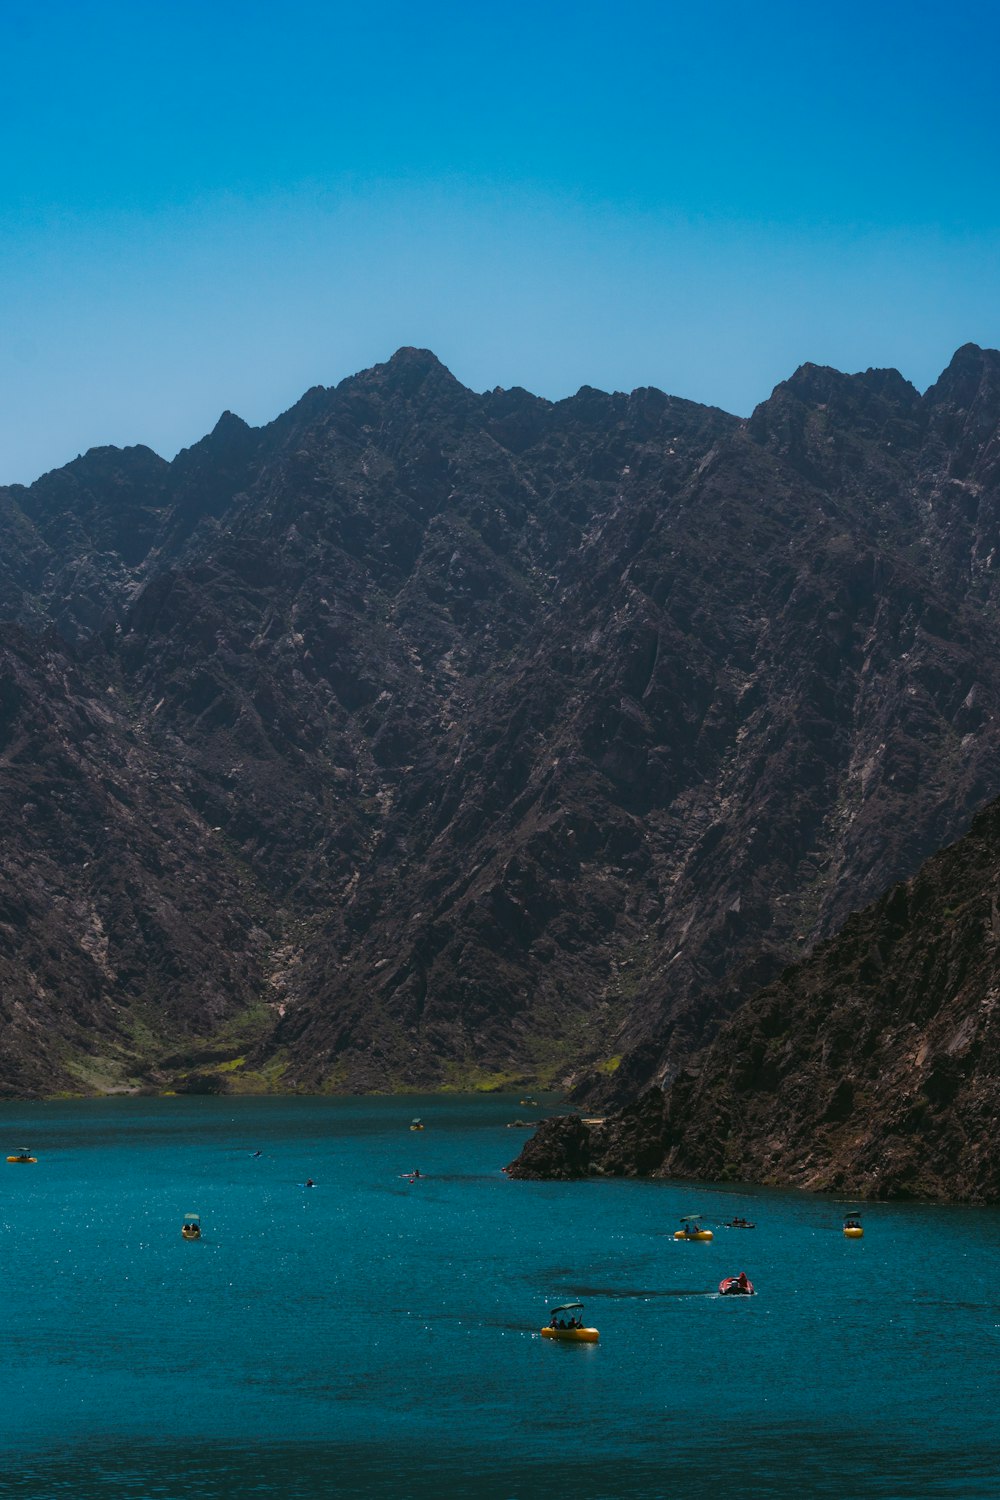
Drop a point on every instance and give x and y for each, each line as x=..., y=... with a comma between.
x=429, y=738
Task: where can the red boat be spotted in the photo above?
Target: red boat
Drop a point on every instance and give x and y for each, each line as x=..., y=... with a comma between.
x=736, y=1286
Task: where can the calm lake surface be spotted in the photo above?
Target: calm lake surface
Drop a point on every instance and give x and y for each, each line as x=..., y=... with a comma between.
x=367, y=1337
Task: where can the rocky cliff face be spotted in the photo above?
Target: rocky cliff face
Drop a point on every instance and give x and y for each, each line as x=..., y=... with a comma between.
x=871, y=1068
x=463, y=738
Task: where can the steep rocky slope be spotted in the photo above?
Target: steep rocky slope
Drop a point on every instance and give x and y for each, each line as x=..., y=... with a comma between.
x=490, y=737
x=873, y=1067
x=113, y=890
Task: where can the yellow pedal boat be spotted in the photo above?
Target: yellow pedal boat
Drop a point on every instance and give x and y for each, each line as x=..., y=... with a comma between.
x=852, y=1228
x=691, y=1229
x=416, y=1124
x=23, y=1156
x=191, y=1228
x=571, y=1330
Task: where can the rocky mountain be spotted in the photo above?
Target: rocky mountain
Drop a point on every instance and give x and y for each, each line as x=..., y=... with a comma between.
x=872, y=1068
x=426, y=737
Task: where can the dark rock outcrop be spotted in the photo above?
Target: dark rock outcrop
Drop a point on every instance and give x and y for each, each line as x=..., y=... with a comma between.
x=873, y=1068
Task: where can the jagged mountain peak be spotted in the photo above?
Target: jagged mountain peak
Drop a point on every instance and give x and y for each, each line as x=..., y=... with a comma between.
x=108, y=458
x=410, y=357
x=409, y=371
x=228, y=424
x=973, y=375
x=817, y=385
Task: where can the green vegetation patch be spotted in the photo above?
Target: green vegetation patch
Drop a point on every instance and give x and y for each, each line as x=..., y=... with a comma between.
x=462, y=1078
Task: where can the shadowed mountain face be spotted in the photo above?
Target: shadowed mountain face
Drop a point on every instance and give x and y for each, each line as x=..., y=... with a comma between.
x=430, y=737
x=871, y=1068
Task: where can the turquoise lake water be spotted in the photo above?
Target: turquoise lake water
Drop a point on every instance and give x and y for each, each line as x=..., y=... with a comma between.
x=371, y=1338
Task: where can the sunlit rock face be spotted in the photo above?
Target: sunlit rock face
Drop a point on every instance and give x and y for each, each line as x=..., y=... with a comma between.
x=426, y=737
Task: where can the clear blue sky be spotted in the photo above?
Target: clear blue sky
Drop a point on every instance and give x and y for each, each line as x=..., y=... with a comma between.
x=218, y=204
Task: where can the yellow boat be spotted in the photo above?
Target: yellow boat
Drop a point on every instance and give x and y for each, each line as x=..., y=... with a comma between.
x=191, y=1228
x=691, y=1229
x=416, y=1124
x=569, y=1331
x=23, y=1155
x=852, y=1227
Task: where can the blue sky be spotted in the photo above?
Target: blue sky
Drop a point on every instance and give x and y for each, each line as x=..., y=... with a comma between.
x=211, y=205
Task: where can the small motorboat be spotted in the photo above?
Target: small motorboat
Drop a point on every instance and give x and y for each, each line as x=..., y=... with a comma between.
x=691, y=1229
x=566, y=1323
x=739, y=1223
x=416, y=1124
x=24, y=1155
x=191, y=1228
x=736, y=1286
x=852, y=1227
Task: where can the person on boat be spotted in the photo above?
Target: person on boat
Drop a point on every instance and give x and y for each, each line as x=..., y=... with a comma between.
x=743, y=1281
x=309, y=1182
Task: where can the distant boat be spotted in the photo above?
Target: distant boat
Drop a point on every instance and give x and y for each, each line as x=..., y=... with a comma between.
x=24, y=1155
x=852, y=1227
x=691, y=1229
x=416, y=1124
x=191, y=1228
x=736, y=1286
x=570, y=1330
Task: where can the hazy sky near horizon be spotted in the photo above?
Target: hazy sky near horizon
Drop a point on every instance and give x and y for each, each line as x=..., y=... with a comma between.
x=217, y=205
